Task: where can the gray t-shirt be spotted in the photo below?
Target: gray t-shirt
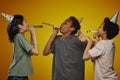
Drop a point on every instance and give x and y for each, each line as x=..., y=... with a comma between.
x=67, y=60
x=21, y=61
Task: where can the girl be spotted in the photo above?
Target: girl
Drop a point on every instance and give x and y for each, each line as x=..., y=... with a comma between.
x=21, y=66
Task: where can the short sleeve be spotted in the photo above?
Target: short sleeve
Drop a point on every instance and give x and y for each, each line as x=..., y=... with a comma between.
x=53, y=46
x=97, y=50
x=84, y=45
x=23, y=42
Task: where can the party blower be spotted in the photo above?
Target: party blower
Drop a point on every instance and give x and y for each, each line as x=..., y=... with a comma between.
x=48, y=24
x=54, y=26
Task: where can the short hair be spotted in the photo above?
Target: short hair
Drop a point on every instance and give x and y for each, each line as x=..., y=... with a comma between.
x=112, y=29
x=13, y=28
x=75, y=24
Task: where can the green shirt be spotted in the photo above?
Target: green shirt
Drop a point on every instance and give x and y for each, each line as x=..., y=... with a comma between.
x=21, y=61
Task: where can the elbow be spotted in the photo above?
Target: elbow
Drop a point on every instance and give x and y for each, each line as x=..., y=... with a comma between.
x=36, y=53
x=85, y=58
x=45, y=52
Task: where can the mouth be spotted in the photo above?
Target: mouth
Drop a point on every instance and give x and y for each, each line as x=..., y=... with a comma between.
x=60, y=27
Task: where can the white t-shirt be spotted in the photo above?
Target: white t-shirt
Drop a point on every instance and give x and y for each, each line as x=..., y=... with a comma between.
x=103, y=58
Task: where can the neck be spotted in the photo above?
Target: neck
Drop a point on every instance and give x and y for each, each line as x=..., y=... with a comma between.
x=104, y=38
x=22, y=33
x=66, y=35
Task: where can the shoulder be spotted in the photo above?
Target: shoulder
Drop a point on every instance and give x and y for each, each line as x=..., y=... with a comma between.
x=19, y=36
x=58, y=37
x=75, y=39
x=101, y=44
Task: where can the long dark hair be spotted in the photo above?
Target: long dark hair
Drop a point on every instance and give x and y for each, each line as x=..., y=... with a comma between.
x=13, y=28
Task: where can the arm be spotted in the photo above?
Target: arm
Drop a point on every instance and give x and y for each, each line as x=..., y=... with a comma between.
x=86, y=55
x=96, y=38
x=81, y=36
x=34, y=50
x=47, y=47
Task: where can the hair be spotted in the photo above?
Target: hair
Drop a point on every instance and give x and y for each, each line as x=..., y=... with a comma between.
x=13, y=28
x=75, y=24
x=112, y=29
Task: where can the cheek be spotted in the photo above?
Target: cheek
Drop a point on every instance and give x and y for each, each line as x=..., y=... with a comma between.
x=66, y=29
x=63, y=30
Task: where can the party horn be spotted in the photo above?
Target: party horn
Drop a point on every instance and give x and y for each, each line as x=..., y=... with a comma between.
x=48, y=24
x=38, y=26
x=91, y=31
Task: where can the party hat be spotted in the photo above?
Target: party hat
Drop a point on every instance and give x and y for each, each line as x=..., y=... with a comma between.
x=8, y=17
x=80, y=19
x=114, y=17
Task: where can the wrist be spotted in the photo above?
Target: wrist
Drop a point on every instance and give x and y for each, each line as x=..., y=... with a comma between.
x=53, y=34
x=90, y=43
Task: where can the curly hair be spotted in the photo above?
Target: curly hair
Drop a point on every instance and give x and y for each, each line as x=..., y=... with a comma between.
x=112, y=29
x=75, y=24
x=13, y=28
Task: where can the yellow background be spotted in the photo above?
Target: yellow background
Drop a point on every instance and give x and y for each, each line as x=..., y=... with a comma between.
x=55, y=12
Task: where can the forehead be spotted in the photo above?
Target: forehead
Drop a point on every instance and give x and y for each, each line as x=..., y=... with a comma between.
x=68, y=20
x=24, y=20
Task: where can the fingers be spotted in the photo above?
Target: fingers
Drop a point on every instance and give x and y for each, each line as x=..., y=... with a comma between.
x=95, y=36
x=55, y=30
x=79, y=33
x=81, y=37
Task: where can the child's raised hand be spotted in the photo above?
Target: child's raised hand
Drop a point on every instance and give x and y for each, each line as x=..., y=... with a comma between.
x=31, y=28
x=88, y=39
x=55, y=30
x=96, y=37
x=81, y=37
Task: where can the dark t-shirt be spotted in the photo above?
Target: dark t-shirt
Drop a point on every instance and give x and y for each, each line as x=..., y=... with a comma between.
x=67, y=60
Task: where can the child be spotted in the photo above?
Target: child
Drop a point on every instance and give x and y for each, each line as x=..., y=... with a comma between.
x=21, y=66
x=103, y=51
x=67, y=50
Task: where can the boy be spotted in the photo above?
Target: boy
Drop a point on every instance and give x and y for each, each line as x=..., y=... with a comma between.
x=103, y=51
x=67, y=51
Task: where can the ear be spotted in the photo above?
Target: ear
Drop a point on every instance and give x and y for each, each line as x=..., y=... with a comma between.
x=72, y=28
x=104, y=32
x=19, y=26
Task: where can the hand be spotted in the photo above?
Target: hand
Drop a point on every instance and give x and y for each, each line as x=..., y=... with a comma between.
x=81, y=37
x=55, y=30
x=96, y=37
x=89, y=40
x=31, y=28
